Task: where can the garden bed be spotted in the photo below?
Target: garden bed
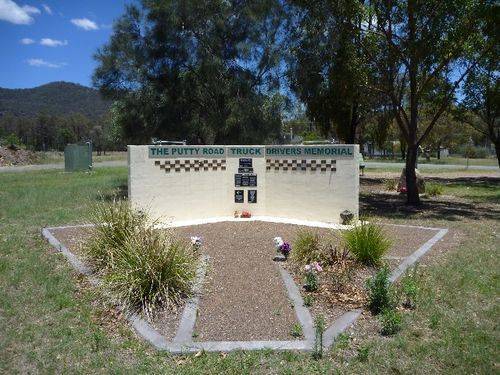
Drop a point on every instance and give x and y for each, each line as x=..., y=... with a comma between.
x=243, y=297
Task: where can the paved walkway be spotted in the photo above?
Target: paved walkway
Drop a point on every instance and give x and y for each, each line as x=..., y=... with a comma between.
x=40, y=167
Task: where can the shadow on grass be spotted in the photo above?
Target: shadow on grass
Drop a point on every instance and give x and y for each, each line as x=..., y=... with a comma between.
x=393, y=206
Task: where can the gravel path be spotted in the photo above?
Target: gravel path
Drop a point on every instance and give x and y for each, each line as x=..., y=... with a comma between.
x=244, y=297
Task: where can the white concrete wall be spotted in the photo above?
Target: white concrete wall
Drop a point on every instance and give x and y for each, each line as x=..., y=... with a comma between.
x=295, y=194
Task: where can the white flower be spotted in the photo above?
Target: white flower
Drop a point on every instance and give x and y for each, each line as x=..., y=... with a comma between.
x=196, y=241
x=308, y=267
x=278, y=242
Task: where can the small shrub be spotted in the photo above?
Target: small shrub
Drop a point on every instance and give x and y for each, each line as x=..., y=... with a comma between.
x=391, y=321
x=308, y=300
x=380, y=293
x=296, y=330
x=409, y=288
x=311, y=282
x=306, y=248
x=319, y=329
x=391, y=184
x=149, y=270
x=334, y=254
x=433, y=190
x=367, y=242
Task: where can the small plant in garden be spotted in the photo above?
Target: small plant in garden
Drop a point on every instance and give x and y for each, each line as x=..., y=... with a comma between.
x=312, y=270
x=391, y=321
x=363, y=353
x=282, y=247
x=433, y=190
x=308, y=300
x=296, y=330
x=367, y=242
x=306, y=248
x=380, y=294
x=409, y=288
x=319, y=329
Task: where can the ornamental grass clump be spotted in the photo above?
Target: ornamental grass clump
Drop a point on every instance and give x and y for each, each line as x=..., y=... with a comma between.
x=306, y=248
x=368, y=243
x=151, y=269
x=142, y=267
x=114, y=223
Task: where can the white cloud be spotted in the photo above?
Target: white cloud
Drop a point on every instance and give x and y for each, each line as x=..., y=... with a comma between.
x=31, y=10
x=84, y=23
x=44, y=64
x=13, y=13
x=47, y=9
x=27, y=41
x=53, y=42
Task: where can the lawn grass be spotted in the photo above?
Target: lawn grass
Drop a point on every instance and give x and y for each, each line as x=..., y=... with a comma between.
x=53, y=157
x=50, y=321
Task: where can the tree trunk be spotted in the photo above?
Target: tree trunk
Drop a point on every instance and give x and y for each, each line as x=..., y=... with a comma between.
x=439, y=152
x=412, y=197
x=497, y=149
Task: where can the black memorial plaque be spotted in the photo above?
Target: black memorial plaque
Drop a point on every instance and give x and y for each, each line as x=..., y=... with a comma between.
x=252, y=196
x=245, y=180
x=237, y=179
x=239, y=196
x=245, y=163
x=245, y=170
x=252, y=180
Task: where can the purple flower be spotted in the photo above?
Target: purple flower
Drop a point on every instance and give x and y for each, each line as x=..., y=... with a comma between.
x=285, y=248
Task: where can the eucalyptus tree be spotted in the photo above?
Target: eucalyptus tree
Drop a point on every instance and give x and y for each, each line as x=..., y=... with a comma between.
x=480, y=107
x=203, y=70
x=425, y=51
x=327, y=69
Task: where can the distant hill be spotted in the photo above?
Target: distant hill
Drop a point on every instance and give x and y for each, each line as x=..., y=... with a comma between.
x=55, y=98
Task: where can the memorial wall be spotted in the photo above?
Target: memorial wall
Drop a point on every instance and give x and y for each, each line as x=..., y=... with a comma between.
x=179, y=183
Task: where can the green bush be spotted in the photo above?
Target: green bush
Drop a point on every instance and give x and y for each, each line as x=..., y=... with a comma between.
x=391, y=321
x=151, y=269
x=306, y=248
x=380, y=293
x=367, y=242
x=142, y=266
x=434, y=190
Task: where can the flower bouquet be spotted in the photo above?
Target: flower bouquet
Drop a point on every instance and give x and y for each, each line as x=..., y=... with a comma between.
x=282, y=247
x=196, y=242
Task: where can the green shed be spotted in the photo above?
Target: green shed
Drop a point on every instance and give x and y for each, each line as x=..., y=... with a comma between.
x=78, y=157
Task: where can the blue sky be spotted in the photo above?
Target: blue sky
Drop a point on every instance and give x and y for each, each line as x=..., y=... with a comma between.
x=53, y=40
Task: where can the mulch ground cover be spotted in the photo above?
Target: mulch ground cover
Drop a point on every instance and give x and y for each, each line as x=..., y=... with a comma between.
x=243, y=296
